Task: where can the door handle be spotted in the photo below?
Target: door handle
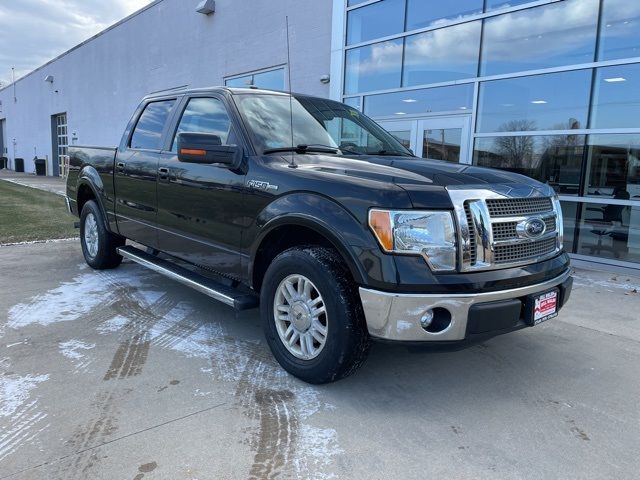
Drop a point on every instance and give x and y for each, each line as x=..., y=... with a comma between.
x=163, y=173
x=120, y=166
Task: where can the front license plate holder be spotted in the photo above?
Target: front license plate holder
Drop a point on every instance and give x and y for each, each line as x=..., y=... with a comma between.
x=542, y=306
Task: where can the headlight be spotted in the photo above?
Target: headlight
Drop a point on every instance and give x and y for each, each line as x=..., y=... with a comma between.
x=409, y=232
x=559, y=219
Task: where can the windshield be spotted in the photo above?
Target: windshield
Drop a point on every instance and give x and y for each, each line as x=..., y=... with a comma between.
x=316, y=122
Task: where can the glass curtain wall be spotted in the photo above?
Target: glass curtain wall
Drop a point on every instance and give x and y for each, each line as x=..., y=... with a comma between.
x=553, y=87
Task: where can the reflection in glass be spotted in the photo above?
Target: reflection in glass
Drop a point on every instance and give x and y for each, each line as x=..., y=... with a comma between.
x=403, y=136
x=610, y=231
x=569, y=214
x=552, y=159
x=204, y=115
x=427, y=13
x=619, y=30
x=148, y=131
x=442, y=99
x=374, y=67
x=562, y=33
x=616, y=97
x=556, y=101
x=353, y=102
x=442, y=55
x=375, y=21
x=496, y=4
x=442, y=144
x=613, y=166
x=270, y=80
x=351, y=3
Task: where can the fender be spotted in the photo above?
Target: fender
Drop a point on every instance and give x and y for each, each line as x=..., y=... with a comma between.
x=353, y=240
x=90, y=177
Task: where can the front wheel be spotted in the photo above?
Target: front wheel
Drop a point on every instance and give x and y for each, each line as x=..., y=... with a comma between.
x=312, y=316
x=99, y=246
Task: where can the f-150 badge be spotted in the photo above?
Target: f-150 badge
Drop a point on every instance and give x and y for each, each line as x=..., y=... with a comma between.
x=261, y=185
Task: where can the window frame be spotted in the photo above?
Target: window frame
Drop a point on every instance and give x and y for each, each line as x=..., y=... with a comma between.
x=163, y=133
x=182, y=108
x=253, y=73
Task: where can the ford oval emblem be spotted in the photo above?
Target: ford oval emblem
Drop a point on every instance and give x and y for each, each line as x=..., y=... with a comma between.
x=532, y=228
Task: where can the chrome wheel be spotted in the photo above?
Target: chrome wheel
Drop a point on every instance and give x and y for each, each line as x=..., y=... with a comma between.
x=301, y=317
x=90, y=236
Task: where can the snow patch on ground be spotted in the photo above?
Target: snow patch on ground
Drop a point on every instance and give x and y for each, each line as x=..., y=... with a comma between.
x=115, y=324
x=73, y=350
x=16, y=390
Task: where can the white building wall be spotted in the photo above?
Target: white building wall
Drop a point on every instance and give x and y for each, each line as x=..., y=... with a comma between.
x=167, y=45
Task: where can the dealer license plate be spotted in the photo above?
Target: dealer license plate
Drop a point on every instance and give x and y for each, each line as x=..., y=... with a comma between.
x=543, y=307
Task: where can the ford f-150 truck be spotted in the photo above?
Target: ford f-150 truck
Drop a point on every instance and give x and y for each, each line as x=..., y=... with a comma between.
x=308, y=209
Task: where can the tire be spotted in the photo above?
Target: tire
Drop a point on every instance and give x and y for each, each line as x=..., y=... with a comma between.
x=322, y=273
x=98, y=244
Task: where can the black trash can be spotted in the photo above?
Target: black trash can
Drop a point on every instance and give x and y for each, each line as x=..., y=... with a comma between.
x=41, y=166
x=19, y=164
x=3, y=162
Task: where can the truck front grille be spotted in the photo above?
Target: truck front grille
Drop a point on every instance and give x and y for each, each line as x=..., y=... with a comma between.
x=491, y=237
x=524, y=251
x=512, y=207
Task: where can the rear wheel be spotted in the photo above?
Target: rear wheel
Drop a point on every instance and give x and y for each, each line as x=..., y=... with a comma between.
x=98, y=244
x=312, y=316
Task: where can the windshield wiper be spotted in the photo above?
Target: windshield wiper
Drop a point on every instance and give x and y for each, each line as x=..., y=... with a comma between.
x=303, y=149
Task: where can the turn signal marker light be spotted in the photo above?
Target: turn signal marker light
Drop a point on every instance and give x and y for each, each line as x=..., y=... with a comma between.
x=192, y=151
x=380, y=223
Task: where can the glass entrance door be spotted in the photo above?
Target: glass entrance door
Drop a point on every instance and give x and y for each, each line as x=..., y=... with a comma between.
x=437, y=138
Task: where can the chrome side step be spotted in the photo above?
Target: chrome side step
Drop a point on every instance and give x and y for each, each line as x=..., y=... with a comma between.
x=218, y=291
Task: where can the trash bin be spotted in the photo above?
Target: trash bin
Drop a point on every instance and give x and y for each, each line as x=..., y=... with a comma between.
x=3, y=162
x=19, y=164
x=41, y=166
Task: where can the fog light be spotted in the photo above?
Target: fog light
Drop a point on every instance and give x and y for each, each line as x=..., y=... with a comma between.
x=426, y=319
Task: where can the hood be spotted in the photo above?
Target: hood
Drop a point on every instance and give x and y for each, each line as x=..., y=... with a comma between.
x=422, y=179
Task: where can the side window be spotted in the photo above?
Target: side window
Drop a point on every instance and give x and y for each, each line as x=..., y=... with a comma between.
x=148, y=131
x=204, y=115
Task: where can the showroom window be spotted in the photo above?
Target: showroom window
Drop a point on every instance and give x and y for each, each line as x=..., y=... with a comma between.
x=374, y=67
x=562, y=33
x=556, y=101
x=375, y=21
x=442, y=55
x=613, y=166
x=269, y=80
x=552, y=159
x=429, y=13
x=457, y=98
x=619, y=30
x=616, y=97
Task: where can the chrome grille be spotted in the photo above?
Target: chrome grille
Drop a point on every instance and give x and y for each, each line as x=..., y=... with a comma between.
x=504, y=231
x=524, y=251
x=511, y=207
x=472, y=234
x=491, y=226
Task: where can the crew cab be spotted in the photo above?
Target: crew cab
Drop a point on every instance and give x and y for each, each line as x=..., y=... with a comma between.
x=309, y=210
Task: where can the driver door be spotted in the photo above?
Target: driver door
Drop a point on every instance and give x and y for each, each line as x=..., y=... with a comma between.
x=200, y=205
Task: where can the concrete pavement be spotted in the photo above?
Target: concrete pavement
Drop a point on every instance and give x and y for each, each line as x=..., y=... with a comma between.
x=127, y=375
x=49, y=184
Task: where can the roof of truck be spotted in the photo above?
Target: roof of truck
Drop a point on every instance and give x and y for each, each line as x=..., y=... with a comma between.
x=232, y=90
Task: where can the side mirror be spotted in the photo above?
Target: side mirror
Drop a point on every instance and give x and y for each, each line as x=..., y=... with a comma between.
x=207, y=148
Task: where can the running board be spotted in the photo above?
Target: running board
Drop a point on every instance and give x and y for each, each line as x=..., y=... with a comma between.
x=227, y=295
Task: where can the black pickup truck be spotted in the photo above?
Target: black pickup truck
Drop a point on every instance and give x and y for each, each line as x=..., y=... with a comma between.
x=338, y=232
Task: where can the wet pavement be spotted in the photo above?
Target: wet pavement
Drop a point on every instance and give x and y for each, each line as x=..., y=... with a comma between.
x=126, y=375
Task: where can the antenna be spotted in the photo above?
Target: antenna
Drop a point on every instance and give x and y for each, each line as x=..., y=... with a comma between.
x=293, y=161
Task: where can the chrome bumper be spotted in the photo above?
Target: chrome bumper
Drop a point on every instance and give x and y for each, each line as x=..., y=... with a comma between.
x=396, y=316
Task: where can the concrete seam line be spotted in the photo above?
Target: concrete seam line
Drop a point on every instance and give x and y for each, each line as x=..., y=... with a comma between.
x=114, y=440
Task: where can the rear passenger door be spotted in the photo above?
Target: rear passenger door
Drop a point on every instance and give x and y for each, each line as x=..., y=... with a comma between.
x=136, y=173
x=200, y=205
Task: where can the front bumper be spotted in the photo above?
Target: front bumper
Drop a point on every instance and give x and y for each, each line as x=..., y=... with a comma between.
x=396, y=317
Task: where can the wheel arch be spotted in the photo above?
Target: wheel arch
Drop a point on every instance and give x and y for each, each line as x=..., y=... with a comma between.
x=91, y=187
